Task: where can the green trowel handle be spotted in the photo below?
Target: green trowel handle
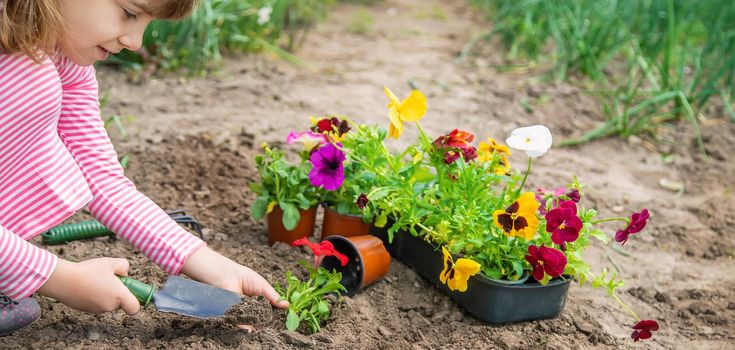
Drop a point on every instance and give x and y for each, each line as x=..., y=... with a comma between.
x=72, y=232
x=142, y=291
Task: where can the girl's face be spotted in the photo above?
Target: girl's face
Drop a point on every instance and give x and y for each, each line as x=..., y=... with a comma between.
x=95, y=28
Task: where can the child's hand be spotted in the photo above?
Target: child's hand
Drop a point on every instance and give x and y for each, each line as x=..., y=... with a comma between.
x=91, y=286
x=206, y=265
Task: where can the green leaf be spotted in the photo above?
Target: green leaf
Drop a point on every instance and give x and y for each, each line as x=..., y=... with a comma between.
x=257, y=210
x=381, y=220
x=379, y=193
x=601, y=236
x=291, y=215
x=292, y=320
x=323, y=307
x=295, y=297
x=303, y=202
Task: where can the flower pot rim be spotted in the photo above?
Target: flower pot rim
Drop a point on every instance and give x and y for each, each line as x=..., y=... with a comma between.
x=527, y=283
x=347, y=216
x=361, y=273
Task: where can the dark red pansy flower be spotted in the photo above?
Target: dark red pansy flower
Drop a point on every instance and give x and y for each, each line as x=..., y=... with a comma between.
x=450, y=156
x=545, y=260
x=362, y=201
x=563, y=223
x=344, y=127
x=637, y=223
x=324, y=125
x=574, y=195
x=469, y=153
x=643, y=329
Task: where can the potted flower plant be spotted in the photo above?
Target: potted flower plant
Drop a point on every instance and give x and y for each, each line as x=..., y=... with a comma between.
x=345, y=184
x=285, y=195
x=500, y=251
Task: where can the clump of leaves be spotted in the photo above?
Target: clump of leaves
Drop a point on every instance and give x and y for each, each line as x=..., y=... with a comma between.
x=284, y=185
x=307, y=298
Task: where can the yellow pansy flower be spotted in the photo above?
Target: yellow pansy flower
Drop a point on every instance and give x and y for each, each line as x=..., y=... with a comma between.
x=519, y=219
x=488, y=150
x=412, y=109
x=456, y=274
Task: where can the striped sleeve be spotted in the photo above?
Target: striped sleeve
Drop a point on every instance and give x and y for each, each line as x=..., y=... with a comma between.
x=116, y=202
x=23, y=267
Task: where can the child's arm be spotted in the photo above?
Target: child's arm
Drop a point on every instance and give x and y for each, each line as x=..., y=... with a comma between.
x=116, y=203
x=119, y=206
x=23, y=266
x=90, y=285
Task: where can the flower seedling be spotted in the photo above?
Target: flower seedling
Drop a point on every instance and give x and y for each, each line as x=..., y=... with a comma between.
x=307, y=298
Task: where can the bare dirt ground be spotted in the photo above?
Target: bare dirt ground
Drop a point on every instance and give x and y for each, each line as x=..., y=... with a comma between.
x=192, y=147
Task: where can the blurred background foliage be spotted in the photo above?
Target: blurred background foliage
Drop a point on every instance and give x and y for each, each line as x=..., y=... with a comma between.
x=217, y=26
x=651, y=61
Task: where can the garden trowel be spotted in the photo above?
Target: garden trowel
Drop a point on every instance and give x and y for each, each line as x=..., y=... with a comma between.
x=184, y=296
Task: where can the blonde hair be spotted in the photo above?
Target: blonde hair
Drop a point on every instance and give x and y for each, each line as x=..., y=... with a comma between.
x=33, y=27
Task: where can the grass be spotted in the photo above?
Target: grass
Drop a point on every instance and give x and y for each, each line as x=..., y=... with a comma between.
x=217, y=26
x=361, y=22
x=653, y=62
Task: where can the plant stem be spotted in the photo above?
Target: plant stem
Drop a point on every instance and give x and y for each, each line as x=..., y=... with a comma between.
x=525, y=176
x=609, y=219
x=625, y=306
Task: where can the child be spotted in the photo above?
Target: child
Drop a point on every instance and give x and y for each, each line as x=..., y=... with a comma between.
x=56, y=157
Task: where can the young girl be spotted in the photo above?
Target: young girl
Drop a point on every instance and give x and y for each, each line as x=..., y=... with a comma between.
x=55, y=157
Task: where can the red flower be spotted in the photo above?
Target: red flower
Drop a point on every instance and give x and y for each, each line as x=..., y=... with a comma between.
x=456, y=139
x=643, y=329
x=637, y=223
x=344, y=127
x=324, y=125
x=362, y=201
x=450, y=156
x=546, y=260
x=574, y=195
x=563, y=223
x=469, y=153
x=321, y=250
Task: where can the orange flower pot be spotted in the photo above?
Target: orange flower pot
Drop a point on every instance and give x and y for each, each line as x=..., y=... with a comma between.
x=278, y=233
x=368, y=261
x=344, y=225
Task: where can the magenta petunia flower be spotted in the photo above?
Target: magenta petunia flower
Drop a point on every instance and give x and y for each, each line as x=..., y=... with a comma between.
x=545, y=260
x=643, y=329
x=327, y=167
x=637, y=223
x=563, y=223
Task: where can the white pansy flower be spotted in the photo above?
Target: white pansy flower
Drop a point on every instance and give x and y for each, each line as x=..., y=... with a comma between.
x=534, y=140
x=264, y=15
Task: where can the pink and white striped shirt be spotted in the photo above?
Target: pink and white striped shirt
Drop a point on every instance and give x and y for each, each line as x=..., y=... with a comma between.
x=55, y=157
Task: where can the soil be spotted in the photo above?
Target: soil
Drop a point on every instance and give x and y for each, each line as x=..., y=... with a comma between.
x=256, y=312
x=193, y=141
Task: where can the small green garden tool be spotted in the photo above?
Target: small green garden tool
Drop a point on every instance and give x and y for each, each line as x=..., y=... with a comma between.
x=184, y=296
x=92, y=228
